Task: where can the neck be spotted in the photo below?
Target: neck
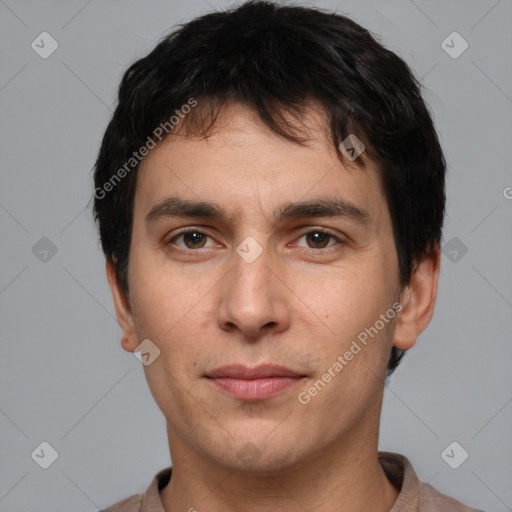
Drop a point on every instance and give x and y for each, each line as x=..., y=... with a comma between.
x=342, y=477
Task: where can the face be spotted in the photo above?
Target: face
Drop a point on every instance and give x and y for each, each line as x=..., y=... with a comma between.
x=258, y=280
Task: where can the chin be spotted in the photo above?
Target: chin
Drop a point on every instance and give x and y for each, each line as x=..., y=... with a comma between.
x=257, y=454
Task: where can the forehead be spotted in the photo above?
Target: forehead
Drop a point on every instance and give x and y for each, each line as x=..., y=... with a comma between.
x=243, y=165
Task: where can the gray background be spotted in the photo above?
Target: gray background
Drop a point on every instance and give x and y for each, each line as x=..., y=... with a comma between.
x=64, y=378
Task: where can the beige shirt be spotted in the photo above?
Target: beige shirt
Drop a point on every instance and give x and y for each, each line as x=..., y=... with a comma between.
x=415, y=496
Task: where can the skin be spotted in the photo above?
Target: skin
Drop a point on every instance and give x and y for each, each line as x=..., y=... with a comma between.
x=300, y=304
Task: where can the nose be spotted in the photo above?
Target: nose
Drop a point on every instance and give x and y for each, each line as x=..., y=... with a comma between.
x=253, y=300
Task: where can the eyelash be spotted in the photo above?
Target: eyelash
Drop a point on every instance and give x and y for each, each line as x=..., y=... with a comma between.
x=311, y=249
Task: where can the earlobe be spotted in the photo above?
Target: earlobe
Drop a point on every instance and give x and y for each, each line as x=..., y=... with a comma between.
x=418, y=301
x=123, y=310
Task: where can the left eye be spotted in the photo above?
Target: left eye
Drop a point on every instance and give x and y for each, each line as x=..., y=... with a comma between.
x=319, y=239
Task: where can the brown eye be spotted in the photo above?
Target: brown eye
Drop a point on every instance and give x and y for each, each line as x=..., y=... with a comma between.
x=194, y=239
x=191, y=239
x=318, y=239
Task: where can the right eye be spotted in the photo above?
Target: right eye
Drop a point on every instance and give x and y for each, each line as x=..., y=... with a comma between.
x=192, y=239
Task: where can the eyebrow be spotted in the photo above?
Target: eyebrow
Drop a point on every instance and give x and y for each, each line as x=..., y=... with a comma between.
x=323, y=207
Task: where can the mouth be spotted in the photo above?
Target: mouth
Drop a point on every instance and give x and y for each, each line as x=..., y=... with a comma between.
x=259, y=383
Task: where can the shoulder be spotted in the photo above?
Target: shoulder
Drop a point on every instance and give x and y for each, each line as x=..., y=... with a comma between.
x=145, y=502
x=130, y=504
x=431, y=500
x=415, y=495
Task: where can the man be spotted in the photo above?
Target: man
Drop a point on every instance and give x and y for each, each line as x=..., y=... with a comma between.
x=270, y=198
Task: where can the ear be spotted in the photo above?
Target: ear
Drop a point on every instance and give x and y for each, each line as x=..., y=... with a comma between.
x=123, y=310
x=418, y=300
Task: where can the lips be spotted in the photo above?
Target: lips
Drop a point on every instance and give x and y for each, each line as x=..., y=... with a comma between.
x=236, y=371
x=257, y=383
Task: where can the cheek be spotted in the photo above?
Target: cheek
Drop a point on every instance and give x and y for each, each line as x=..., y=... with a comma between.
x=345, y=300
x=172, y=310
x=160, y=296
x=356, y=345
